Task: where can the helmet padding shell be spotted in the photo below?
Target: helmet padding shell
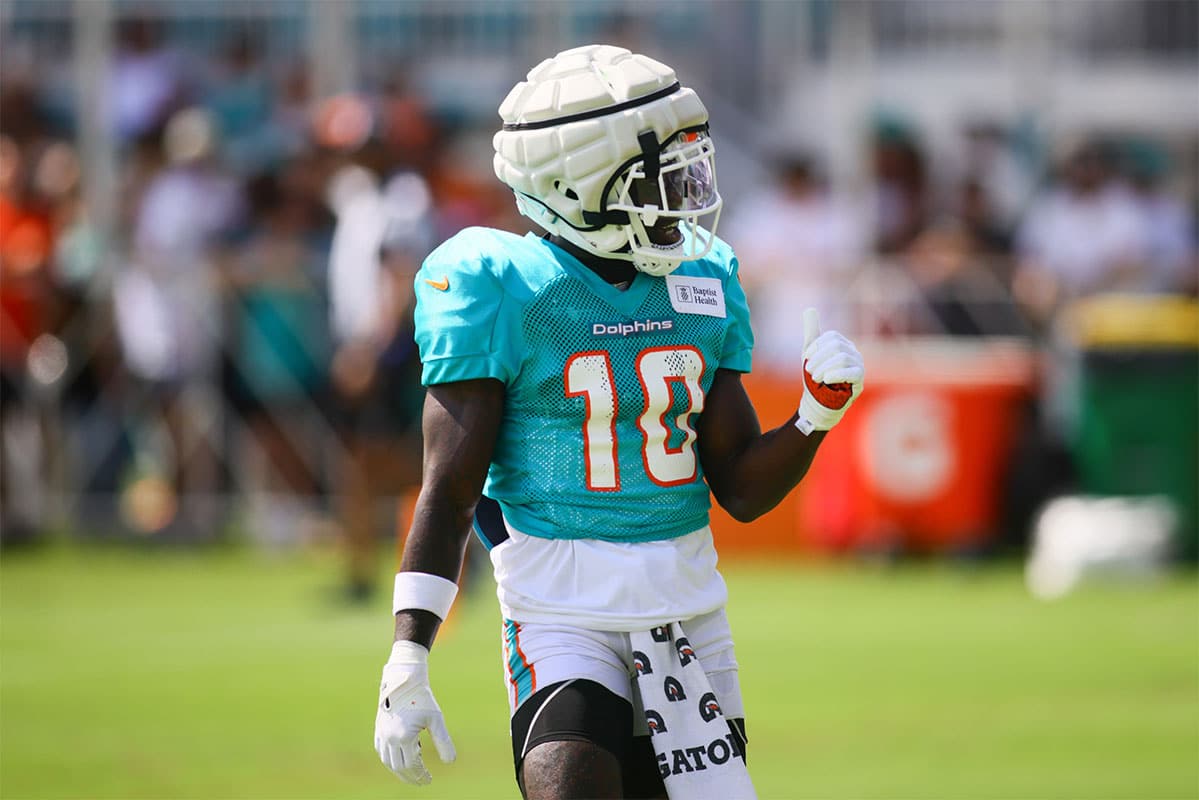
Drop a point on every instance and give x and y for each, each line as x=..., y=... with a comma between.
x=573, y=124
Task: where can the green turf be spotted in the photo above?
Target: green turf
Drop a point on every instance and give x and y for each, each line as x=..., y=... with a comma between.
x=128, y=675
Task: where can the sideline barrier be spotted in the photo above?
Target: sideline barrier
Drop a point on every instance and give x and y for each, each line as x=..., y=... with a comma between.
x=917, y=463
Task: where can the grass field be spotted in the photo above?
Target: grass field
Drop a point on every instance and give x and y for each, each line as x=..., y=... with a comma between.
x=226, y=675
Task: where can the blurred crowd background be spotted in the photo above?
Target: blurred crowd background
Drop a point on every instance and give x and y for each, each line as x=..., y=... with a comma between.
x=211, y=212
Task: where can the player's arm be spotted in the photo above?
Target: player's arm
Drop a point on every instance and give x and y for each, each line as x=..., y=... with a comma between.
x=750, y=472
x=460, y=425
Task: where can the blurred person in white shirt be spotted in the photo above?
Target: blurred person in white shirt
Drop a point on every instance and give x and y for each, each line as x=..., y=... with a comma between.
x=805, y=246
x=166, y=298
x=997, y=183
x=1081, y=236
x=382, y=234
x=1170, y=233
x=146, y=80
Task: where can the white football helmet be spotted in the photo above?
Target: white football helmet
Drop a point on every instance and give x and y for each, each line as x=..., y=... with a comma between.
x=604, y=148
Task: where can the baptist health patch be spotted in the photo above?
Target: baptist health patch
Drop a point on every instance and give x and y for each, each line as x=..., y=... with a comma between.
x=696, y=295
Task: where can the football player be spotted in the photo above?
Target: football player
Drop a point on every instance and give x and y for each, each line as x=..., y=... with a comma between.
x=584, y=401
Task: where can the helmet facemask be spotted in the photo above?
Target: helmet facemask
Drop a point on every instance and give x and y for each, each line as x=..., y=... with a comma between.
x=663, y=195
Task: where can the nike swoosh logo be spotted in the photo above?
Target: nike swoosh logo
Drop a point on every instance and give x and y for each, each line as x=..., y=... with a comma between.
x=441, y=285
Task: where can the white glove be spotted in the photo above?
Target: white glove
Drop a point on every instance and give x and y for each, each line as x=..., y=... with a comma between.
x=833, y=375
x=406, y=707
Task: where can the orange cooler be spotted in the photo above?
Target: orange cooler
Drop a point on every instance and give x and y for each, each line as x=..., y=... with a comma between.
x=918, y=461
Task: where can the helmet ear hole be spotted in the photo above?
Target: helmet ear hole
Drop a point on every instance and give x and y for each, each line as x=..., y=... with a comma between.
x=565, y=191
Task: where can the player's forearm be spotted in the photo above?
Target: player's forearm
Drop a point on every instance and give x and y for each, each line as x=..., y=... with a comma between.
x=460, y=424
x=436, y=546
x=756, y=479
x=440, y=527
x=757, y=470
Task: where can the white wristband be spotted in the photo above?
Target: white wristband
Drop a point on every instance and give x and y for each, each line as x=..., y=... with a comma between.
x=424, y=591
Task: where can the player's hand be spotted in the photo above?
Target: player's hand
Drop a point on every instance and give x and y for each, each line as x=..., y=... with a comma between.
x=406, y=707
x=833, y=376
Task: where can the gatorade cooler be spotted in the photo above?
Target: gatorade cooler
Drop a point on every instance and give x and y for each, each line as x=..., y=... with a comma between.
x=918, y=462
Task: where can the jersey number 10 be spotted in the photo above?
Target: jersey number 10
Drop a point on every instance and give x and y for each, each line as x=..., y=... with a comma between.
x=589, y=375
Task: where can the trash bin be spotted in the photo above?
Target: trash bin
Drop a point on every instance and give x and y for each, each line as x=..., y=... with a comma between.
x=1138, y=403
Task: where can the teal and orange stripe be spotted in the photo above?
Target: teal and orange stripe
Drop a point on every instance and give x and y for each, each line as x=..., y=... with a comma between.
x=521, y=674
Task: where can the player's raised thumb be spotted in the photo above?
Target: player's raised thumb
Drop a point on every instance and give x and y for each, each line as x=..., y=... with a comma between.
x=441, y=739
x=811, y=327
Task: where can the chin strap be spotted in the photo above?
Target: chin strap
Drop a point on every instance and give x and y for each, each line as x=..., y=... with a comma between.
x=600, y=219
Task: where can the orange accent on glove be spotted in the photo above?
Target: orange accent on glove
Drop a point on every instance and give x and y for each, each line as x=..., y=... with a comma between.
x=830, y=395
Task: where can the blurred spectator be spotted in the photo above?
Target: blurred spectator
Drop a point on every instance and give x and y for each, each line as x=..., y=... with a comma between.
x=1081, y=236
x=164, y=296
x=26, y=244
x=406, y=127
x=995, y=188
x=95, y=449
x=980, y=219
x=959, y=293
x=166, y=302
x=464, y=189
x=293, y=98
x=147, y=82
x=380, y=240
x=279, y=353
x=21, y=117
x=192, y=203
x=1170, y=237
x=900, y=185
x=799, y=246
x=240, y=100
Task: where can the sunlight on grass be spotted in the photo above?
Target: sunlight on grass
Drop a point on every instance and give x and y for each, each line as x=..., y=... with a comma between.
x=227, y=675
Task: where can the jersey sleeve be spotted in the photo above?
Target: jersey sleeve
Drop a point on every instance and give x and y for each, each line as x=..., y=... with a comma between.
x=739, y=337
x=467, y=326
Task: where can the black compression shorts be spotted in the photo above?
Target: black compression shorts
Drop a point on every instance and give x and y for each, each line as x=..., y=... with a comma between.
x=583, y=710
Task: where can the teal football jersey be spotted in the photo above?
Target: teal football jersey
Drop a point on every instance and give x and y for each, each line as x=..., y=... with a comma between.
x=603, y=385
